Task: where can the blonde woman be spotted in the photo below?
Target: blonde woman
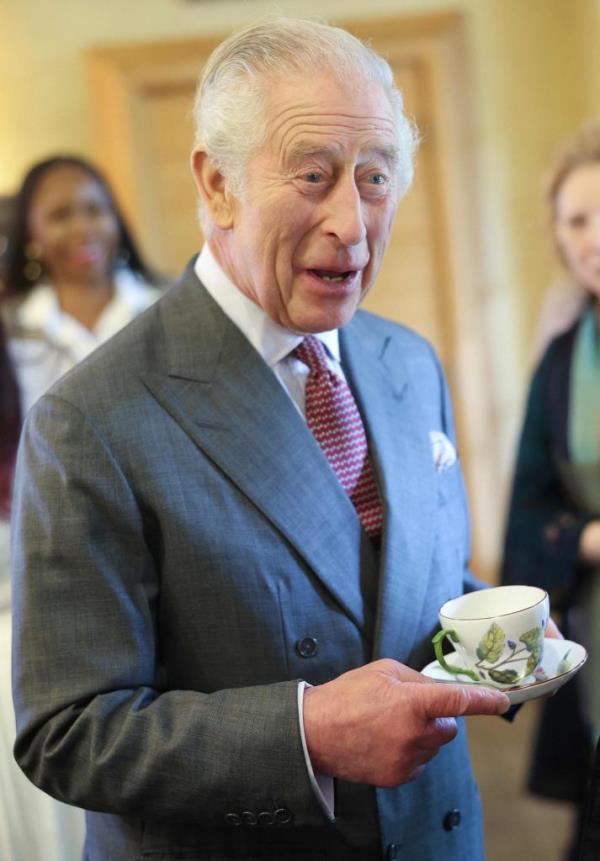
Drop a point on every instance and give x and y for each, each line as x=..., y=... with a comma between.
x=553, y=534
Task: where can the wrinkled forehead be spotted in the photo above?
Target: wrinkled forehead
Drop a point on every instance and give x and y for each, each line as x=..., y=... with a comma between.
x=323, y=112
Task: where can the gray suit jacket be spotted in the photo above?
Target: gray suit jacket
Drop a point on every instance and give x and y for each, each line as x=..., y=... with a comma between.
x=178, y=533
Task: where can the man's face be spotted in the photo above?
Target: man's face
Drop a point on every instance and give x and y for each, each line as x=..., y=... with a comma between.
x=311, y=226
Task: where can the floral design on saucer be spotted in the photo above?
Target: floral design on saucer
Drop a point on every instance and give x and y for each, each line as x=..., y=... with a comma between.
x=561, y=660
x=563, y=666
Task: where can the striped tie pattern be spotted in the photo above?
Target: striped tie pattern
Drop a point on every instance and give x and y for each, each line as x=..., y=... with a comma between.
x=334, y=419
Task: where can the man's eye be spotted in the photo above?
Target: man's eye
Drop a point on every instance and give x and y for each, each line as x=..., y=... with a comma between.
x=377, y=178
x=314, y=176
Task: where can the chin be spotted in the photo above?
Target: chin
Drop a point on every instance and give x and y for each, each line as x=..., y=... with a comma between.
x=334, y=314
x=323, y=318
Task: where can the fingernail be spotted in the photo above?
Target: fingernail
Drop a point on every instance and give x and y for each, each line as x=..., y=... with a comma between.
x=503, y=701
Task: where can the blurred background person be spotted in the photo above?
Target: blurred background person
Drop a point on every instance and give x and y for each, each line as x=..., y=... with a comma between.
x=590, y=840
x=562, y=304
x=33, y=826
x=73, y=275
x=553, y=531
x=72, y=278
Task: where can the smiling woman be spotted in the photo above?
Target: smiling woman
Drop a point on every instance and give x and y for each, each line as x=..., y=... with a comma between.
x=73, y=274
x=68, y=289
x=553, y=533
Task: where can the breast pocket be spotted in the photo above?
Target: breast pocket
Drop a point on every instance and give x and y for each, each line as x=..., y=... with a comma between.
x=450, y=485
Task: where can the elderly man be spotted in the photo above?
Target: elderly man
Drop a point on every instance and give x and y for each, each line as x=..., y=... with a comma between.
x=236, y=522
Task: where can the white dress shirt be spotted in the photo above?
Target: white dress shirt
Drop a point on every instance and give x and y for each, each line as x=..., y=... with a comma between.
x=45, y=342
x=274, y=344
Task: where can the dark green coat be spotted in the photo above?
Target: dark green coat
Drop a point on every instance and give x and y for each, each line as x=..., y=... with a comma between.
x=545, y=522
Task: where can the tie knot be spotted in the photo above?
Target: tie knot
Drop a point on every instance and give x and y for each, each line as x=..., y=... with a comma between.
x=312, y=353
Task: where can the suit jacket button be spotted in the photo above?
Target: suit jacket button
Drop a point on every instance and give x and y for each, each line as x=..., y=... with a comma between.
x=265, y=817
x=393, y=852
x=452, y=820
x=307, y=647
x=283, y=816
x=233, y=819
x=249, y=818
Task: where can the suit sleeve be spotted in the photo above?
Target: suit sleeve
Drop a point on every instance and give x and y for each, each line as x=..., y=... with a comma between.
x=97, y=725
x=544, y=526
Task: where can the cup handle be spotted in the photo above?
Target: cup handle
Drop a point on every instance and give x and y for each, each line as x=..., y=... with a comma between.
x=437, y=648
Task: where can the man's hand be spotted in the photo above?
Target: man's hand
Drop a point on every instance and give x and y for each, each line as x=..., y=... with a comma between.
x=381, y=723
x=553, y=631
x=589, y=543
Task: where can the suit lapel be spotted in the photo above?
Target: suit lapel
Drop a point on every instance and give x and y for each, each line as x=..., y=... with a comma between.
x=403, y=461
x=229, y=402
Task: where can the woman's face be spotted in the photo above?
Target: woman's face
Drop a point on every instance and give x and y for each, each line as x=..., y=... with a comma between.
x=73, y=225
x=577, y=224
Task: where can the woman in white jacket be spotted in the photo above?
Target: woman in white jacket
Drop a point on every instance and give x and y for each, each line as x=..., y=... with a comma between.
x=73, y=277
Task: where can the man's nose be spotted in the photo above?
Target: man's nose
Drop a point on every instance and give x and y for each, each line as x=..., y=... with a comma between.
x=346, y=217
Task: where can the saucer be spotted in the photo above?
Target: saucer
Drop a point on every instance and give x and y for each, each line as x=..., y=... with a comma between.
x=562, y=659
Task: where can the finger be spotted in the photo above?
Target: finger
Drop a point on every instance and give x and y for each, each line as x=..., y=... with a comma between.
x=457, y=700
x=416, y=773
x=553, y=631
x=446, y=729
x=439, y=731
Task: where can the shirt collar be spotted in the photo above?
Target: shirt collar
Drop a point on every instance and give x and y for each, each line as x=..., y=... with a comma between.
x=40, y=310
x=268, y=338
x=39, y=304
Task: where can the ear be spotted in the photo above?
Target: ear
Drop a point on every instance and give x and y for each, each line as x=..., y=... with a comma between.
x=212, y=189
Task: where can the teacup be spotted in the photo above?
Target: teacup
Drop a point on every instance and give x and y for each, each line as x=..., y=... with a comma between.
x=498, y=634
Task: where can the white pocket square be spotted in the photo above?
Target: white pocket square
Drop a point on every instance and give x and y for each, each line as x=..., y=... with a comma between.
x=444, y=453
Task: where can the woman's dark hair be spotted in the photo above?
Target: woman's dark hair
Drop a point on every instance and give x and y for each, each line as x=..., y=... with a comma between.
x=10, y=423
x=16, y=282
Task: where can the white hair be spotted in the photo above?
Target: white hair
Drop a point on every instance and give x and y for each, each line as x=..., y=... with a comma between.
x=231, y=99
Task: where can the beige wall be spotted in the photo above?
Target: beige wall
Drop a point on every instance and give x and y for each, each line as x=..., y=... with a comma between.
x=535, y=75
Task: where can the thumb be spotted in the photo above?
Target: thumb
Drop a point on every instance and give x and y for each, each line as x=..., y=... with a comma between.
x=453, y=700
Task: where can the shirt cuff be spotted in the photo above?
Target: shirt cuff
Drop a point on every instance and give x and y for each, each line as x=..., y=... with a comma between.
x=321, y=784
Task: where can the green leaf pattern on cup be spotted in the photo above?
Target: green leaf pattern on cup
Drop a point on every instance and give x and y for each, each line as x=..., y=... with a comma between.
x=493, y=657
x=492, y=646
x=534, y=641
x=505, y=677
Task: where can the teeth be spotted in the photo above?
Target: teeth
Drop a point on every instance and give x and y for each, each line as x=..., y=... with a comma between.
x=332, y=277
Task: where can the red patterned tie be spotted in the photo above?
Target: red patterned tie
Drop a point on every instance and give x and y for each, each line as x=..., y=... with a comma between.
x=334, y=419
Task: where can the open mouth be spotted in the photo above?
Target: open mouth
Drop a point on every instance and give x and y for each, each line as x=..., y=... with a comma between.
x=333, y=277
x=87, y=254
